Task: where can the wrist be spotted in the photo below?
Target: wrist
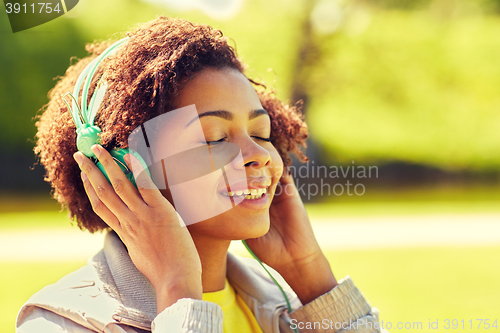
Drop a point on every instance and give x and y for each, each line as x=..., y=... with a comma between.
x=309, y=278
x=170, y=292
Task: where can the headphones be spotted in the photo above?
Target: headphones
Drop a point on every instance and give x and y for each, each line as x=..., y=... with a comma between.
x=88, y=133
x=83, y=115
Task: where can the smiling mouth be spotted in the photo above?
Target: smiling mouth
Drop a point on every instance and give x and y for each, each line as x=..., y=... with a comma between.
x=251, y=194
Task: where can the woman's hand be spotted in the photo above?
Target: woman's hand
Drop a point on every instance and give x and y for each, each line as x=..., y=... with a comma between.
x=290, y=246
x=157, y=241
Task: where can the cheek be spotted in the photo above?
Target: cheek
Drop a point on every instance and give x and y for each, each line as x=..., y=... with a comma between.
x=198, y=199
x=276, y=163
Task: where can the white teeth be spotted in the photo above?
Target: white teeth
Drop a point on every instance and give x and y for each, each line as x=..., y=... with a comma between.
x=256, y=193
x=249, y=194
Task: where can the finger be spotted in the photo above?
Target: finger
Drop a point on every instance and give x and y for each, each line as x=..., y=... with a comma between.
x=121, y=184
x=97, y=205
x=147, y=188
x=101, y=186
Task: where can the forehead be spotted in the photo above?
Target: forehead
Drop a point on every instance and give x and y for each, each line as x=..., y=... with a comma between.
x=219, y=89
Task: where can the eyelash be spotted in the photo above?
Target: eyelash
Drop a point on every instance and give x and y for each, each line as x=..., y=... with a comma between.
x=263, y=139
x=257, y=137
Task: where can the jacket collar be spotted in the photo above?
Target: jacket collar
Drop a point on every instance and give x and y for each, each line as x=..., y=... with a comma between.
x=124, y=282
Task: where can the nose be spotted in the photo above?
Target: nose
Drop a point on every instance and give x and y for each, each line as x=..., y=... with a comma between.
x=254, y=155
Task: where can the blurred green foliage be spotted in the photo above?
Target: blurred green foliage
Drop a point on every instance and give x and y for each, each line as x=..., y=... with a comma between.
x=411, y=81
x=30, y=60
x=412, y=87
x=488, y=6
x=28, y=63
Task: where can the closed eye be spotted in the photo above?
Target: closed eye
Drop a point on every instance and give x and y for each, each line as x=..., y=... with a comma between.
x=263, y=139
x=224, y=139
x=215, y=142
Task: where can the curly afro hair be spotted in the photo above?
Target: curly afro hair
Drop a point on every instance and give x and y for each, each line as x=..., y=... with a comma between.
x=144, y=78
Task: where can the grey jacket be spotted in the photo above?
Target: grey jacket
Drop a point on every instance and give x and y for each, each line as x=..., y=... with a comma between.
x=110, y=295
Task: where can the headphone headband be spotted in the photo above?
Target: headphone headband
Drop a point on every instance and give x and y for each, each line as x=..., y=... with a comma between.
x=84, y=116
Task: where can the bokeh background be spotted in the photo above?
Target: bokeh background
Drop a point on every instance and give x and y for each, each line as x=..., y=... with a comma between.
x=409, y=87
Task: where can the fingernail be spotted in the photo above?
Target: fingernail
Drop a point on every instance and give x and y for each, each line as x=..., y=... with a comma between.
x=84, y=176
x=126, y=158
x=78, y=158
x=96, y=150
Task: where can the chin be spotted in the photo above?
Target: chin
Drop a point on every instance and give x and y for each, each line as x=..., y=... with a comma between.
x=231, y=226
x=254, y=230
x=245, y=224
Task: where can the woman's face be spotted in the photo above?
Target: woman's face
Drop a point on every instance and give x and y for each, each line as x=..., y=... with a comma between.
x=230, y=119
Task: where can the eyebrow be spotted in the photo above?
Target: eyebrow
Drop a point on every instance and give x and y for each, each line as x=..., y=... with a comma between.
x=228, y=115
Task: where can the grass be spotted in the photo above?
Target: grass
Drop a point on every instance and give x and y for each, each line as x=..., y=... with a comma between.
x=19, y=281
x=11, y=201
x=407, y=285
x=34, y=220
x=55, y=219
x=418, y=285
x=31, y=211
x=373, y=209
x=37, y=211
x=416, y=201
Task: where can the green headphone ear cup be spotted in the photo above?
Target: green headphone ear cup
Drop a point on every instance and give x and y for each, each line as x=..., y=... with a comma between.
x=87, y=136
x=118, y=155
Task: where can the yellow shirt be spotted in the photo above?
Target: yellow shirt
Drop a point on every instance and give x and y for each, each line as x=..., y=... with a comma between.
x=237, y=316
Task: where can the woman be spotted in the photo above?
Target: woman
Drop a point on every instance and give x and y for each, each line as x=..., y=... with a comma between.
x=153, y=272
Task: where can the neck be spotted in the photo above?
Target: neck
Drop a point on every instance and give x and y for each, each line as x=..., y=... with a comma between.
x=213, y=257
